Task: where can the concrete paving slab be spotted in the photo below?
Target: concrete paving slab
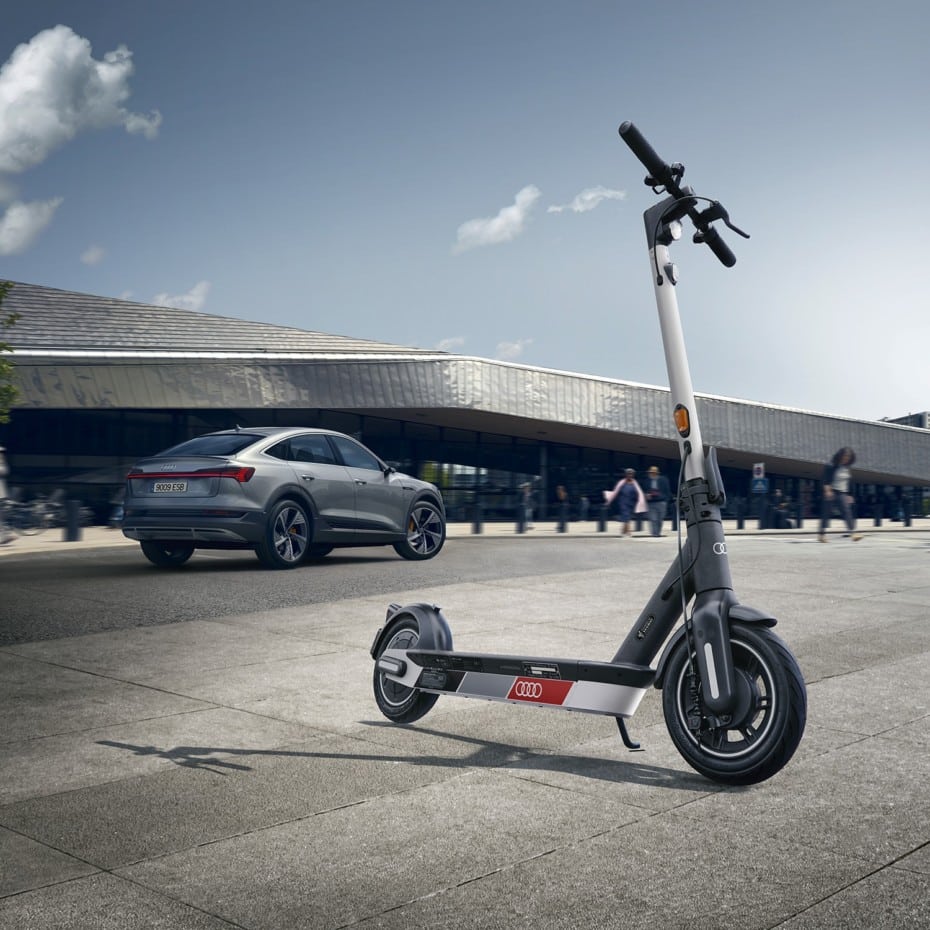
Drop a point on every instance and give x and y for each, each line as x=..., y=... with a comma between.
x=350, y=622
x=916, y=732
x=29, y=864
x=655, y=778
x=216, y=792
x=307, y=874
x=891, y=899
x=647, y=874
x=101, y=902
x=882, y=631
x=41, y=699
x=898, y=695
x=49, y=765
x=191, y=648
x=917, y=861
x=857, y=801
x=270, y=687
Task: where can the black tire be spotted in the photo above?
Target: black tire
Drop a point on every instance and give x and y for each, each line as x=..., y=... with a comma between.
x=426, y=532
x=318, y=551
x=167, y=555
x=397, y=702
x=766, y=729
x=286, y=540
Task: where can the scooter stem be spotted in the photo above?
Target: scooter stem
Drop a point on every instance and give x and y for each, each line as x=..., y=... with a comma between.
x=676, y=361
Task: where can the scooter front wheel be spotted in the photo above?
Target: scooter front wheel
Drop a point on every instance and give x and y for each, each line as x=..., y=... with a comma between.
x=764, y=730
x=396, y=701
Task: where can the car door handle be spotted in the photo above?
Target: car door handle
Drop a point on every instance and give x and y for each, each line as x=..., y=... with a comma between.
x=359, y=481
x=307, y=477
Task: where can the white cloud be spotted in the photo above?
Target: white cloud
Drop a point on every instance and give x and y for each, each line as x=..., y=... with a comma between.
x=507, y=225
x=588, y=199
x=452, y=344
x=94, y=255
x=21, y=224
x=194, y=299
x=509, y=351
x=51, y=88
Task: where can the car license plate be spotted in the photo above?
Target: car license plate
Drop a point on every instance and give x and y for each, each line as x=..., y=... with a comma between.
x=169, y=487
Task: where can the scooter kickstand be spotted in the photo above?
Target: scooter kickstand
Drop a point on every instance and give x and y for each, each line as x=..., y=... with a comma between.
x=628, y=741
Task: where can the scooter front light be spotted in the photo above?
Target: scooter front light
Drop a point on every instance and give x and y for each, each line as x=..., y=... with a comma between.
x=682, y=421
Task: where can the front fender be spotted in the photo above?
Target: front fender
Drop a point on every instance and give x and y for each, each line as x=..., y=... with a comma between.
x=737, y=612
x=434, y=630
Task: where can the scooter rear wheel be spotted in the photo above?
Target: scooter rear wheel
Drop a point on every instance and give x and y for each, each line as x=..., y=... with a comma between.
x=396, y=701
x=767, y=725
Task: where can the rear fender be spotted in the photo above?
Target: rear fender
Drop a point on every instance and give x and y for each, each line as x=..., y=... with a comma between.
x=434, y=630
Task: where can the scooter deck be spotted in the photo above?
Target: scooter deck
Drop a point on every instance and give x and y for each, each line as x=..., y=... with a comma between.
x=611, y=688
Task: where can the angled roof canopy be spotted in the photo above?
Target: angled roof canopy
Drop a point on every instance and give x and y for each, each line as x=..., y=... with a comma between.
x=77, y=351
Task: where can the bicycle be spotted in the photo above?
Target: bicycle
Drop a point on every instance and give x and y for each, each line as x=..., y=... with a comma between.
x=21, y=519
x=733, y=696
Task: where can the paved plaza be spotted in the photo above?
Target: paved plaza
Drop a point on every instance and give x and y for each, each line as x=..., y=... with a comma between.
x=235, y=773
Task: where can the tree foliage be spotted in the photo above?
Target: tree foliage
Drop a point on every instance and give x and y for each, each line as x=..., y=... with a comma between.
x=8, y=389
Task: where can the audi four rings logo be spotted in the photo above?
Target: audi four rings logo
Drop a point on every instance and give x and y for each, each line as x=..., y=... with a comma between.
x=528, y=689
x=543, y=691
x=720, y=548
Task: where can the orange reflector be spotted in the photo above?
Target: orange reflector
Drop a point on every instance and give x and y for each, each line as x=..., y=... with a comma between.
x=682, y=420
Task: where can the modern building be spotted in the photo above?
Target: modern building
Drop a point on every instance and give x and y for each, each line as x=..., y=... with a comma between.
x=103, y=382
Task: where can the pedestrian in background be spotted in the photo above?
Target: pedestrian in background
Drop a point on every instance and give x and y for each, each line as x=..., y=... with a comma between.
x=630, y=499
x=561, y=495
x=837, y=481
x=657, y=493
x=5, y=535
x=526, y=502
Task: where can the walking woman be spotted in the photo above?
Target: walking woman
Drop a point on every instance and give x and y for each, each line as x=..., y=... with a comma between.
x=630, y=497
x=837, y=480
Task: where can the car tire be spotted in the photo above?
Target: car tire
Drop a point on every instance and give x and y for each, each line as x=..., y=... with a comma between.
x=426, y=532
x=286, y=539
x=319, y=551
x=167, y=555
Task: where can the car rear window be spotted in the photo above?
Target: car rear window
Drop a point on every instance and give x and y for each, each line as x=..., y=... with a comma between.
x=226, y=444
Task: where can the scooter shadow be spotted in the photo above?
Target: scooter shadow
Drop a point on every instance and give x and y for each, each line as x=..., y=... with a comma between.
x=492, y=754
x=486, y=754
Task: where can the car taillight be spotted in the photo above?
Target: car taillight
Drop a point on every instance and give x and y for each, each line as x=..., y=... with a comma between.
x=238, y=472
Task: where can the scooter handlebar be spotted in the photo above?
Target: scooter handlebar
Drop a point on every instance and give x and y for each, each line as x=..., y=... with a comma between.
x=656, y=167
x=662, y=174
x=713, y=239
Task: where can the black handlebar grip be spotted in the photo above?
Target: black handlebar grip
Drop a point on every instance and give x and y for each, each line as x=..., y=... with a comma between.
x=718, y=246
x=657, y=168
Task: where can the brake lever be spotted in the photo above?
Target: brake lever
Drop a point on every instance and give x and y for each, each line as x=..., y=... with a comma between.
x=736, y=229
x=717, y=211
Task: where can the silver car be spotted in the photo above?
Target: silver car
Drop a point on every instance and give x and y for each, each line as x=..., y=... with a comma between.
x=291, y=494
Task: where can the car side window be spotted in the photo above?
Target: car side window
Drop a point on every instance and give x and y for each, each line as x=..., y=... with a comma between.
x=280, y=450
x=312, y=448
x=353, y=455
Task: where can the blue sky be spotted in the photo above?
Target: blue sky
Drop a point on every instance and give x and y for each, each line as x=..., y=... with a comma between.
x=449, y=174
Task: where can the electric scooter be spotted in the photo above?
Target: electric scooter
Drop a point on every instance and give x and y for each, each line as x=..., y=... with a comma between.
x=733, y=696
